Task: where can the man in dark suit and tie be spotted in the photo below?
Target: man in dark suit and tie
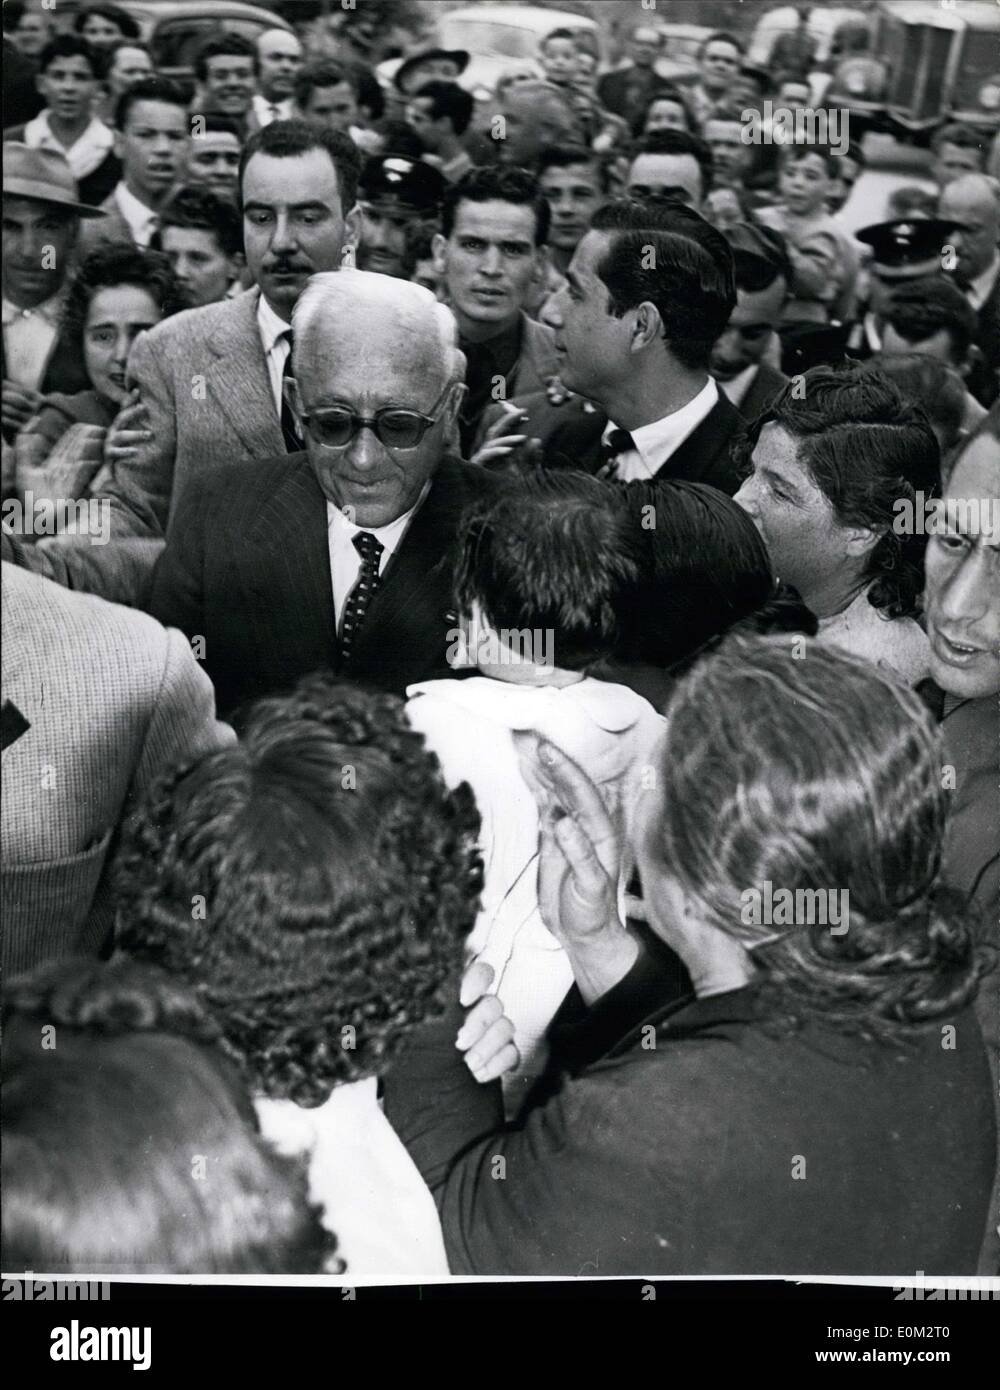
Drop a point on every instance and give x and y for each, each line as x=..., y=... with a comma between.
x=650, y=289
x=213, y=388
x=338, y=557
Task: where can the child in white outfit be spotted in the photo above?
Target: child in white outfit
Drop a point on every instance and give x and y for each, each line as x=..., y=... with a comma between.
x=544, y=575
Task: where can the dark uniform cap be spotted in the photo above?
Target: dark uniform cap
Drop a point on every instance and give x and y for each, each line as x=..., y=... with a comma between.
x=908, y=246
x=394, y=181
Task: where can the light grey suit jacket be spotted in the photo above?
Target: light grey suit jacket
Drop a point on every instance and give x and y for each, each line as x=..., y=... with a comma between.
x=203, y=378
x=96, y=699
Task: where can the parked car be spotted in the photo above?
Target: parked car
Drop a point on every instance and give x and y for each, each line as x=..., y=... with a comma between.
x=496, y=37
x=175, y=29
x=928, y=65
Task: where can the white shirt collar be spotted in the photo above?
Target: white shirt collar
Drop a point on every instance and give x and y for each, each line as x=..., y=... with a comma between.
x=271, y=327
x=736, y=390
x=979, y=288
x=389, y=536
x=142, y=221
x=265, y=110
x=87, y=151
x=50, y=310
x=656, y=442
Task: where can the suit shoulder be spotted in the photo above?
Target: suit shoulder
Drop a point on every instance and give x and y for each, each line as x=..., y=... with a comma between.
x=195, y=326
x=68, y=630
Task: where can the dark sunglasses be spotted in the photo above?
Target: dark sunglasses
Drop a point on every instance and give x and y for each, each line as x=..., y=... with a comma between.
x=334, y=426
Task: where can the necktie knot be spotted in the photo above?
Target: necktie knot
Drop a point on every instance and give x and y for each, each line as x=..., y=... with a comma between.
x=617, y=443
x=369, y=547
x=620, y=442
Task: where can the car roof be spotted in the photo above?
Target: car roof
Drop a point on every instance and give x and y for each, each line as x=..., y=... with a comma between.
x=522, y=16
x=974, y=14
x=212, y=9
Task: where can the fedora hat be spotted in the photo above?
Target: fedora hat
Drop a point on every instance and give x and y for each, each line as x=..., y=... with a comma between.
x=458, y=56
x=43, y=175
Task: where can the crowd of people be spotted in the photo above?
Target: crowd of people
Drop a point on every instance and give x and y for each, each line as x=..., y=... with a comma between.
x=500, y=671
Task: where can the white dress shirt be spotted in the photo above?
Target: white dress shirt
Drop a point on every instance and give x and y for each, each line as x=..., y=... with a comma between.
x=655, y=443
x=345, y=562
x=268, y=111
x=29, y=335
x=275, y=345
x=87, y=152
x=142, y=221
x=979, y=289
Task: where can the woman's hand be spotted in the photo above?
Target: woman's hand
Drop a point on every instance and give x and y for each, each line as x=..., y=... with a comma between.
x=127, y=431
x=486, y=1036
x=580, y=858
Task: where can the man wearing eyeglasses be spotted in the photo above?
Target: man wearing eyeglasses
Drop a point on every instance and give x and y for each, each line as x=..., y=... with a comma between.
x=338, y=557
x=213, y=385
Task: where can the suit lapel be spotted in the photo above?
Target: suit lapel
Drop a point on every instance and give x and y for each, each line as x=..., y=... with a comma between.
x=288, y=569
x=239, y=382
x=704, y=456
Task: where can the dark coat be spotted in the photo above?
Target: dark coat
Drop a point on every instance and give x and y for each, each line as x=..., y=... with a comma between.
x=763, y=389
x=247, y=567
x=719, y=1150
x=704, y=457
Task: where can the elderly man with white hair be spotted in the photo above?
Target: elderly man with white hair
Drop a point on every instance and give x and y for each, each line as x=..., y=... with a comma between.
x=279, y=57
x=338, y=557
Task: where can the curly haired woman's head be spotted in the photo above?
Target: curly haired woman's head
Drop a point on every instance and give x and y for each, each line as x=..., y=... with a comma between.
x=834, y=463
x=130, y=1142
x=314, y=884
x=118, y=292
x=810, y=781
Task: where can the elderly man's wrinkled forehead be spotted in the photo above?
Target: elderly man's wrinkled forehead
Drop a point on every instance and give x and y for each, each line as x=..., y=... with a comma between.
x=390, y=328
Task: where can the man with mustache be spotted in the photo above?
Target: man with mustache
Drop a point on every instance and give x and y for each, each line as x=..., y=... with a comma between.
x=212, y=387
x=151, y=140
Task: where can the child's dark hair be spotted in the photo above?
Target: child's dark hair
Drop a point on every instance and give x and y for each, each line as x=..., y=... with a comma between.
x=559, y=552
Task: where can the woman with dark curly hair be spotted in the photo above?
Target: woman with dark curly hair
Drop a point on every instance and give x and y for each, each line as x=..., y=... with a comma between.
x=104, y=25
x=824, y=1104
x=118, y=292
x=314, y=886
x=837, y=465
x=130, y=1143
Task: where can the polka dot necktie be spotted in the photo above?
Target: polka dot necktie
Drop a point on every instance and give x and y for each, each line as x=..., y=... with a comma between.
x=370, y=549
x=617, y=443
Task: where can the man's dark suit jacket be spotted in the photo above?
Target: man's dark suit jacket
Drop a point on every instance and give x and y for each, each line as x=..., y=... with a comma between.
x=766, y=384
x=704, y=457
x=247, y=567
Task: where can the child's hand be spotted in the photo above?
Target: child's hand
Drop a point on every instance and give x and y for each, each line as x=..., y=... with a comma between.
x=486, y=1036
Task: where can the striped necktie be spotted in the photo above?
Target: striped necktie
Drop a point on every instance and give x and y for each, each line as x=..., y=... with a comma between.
x=289, y=423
